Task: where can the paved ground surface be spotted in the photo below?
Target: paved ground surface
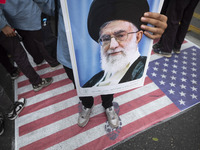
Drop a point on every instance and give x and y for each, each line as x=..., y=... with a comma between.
x=181, y=132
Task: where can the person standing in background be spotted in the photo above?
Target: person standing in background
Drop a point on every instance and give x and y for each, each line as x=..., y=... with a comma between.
x=179, y=13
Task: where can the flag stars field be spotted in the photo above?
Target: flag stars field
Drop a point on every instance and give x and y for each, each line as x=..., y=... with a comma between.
x=180, y=69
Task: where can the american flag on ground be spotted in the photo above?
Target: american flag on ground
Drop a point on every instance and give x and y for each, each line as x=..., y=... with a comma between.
x=49, y=121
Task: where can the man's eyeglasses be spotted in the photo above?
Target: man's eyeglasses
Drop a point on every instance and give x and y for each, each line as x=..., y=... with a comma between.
x=122, y=36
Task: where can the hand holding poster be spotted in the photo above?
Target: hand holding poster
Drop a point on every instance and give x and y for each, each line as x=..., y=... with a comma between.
x=108, y=50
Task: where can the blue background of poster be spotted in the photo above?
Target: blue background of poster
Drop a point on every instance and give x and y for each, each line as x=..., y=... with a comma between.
x=87, y=51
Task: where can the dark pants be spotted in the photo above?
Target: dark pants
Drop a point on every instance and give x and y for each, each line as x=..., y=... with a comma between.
x=179, y=13
x=89, y=100
x=5, y=61
x=5, y=102
x=34, y=44
x=13, y=47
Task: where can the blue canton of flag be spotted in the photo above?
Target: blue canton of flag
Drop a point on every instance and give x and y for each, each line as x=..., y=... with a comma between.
x=178, y=77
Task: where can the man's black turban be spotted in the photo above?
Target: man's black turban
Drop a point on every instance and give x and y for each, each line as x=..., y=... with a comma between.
x=102, y=11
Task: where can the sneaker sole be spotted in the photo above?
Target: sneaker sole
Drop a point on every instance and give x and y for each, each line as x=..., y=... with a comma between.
x=168, y=56
x=13, y=78
x=177, y=52
x=83, y=125
x=54, y=68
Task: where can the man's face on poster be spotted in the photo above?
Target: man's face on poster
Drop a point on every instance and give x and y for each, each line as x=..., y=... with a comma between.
x=119, y=41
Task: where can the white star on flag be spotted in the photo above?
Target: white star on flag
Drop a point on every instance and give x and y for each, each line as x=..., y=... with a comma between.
x=172, y=84
x=165, y=64
x=194, y=96
x=171, y=91
x=183, y=79
x=163, y=76
x=193, y=88
x=183, y=73
x=173, y=77
x=183, y=86
x=162, y=82
x=182, y=102
x=182, y=93
x=154, y=74
x=184, y=62
x=194, y=75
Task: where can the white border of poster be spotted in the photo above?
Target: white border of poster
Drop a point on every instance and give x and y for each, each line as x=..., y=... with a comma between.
x=76, y=23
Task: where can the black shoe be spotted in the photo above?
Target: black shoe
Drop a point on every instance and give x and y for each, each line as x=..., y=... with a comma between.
x=15, y=74
x=45, y=82
x=18, y=106
x=55, y=65
x=157, y=45
x=177, y=50
x=38, y=64
x=158, y=50
x=1, y=124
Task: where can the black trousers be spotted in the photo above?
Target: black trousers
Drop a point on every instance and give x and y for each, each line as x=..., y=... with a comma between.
x=89, y=100
x=179, y=13
x=5, y=61
x=13, y=47
x=34, y=44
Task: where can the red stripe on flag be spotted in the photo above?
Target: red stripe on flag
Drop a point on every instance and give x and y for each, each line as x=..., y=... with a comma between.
x=49, y=74
x=136, y=126
x=54, y=85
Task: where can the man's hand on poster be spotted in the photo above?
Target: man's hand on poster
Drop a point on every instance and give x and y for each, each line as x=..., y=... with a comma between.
x=8, y=31
x=158, y=21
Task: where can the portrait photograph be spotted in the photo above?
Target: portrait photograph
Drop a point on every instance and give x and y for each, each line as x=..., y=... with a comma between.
x=108, y=50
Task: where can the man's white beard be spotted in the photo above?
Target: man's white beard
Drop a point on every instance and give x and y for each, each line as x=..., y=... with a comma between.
x=116, y=63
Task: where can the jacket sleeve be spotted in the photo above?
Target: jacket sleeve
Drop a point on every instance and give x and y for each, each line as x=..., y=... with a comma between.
x=47, y=6
x=3, y=21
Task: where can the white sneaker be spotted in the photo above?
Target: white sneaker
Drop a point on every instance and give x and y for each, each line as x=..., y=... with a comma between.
x=112, y=117
x=18, y=107
x=84, y=116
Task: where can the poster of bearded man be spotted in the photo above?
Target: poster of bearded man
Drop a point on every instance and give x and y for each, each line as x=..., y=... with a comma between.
x=108, y=50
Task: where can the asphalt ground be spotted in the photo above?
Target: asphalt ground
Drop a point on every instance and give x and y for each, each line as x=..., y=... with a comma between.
x=182, y=132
